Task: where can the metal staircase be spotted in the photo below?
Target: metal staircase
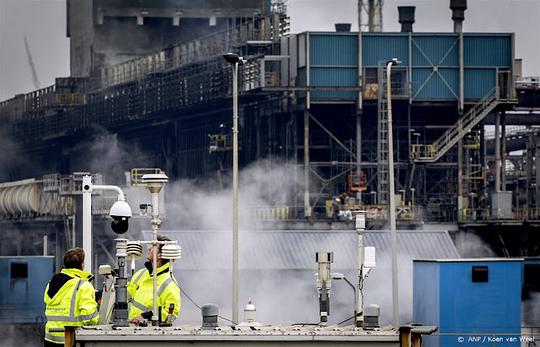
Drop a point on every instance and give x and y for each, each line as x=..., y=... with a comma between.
x=432, y=152
x=382, y=137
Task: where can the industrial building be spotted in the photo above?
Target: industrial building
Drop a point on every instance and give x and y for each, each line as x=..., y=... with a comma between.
x=149, y=77
x=314, y=102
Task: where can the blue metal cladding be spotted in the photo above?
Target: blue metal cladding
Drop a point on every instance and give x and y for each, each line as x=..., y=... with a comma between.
x=333, y=62
x=467, y=308
x=436, y=84
x=333, y=49
x=435, y=50
x=482, y=50
x=435, y=60
x=383, y=47
x=22, y=283
x=479, y=82
x=334, y=76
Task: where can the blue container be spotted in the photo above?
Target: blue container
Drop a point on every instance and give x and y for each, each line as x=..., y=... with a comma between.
x=531, y=293
x=473, y=302
x=22, y=284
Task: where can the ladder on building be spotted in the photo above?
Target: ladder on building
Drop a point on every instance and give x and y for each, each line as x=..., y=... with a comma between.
x=382, y=138
x=432, y=152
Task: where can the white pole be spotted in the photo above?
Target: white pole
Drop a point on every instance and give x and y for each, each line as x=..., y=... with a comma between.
x=87, y=221
x=235, y=298
x=45, y=245
x=391, y=196
x=155, y=226
x=359, y=299
x=359, y=292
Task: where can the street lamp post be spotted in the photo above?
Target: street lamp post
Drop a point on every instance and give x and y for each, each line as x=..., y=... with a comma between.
x=235, y=60
x=391, y=192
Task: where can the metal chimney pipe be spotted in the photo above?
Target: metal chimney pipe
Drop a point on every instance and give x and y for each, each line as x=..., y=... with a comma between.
x=406, y=18
x=458, y=8
x=343, y=27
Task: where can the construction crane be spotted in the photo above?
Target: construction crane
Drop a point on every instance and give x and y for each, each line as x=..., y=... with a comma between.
x=31, y=63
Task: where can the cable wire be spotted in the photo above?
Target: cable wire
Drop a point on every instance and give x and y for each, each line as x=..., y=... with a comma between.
x=343, y=321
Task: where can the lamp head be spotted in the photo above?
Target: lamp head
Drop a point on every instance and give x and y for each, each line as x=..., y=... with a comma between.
x=233, y=58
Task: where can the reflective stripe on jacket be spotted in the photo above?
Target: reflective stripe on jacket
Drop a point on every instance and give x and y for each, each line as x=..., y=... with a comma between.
x=72, y=303
x=140, y=291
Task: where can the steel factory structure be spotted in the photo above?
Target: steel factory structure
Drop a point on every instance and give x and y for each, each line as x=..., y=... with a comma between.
x=152, y=73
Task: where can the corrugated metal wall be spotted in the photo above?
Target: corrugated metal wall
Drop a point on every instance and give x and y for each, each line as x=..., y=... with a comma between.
x=383, y=47
x=333, y=49
x=333, y=61
x=493, y=50
x=438, y=49
x=435, y=60
x=479, y=82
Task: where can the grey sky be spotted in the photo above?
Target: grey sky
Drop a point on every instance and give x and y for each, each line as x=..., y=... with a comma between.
x=43, y=22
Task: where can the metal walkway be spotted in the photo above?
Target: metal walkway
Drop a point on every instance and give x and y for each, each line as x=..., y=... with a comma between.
x=432, y=152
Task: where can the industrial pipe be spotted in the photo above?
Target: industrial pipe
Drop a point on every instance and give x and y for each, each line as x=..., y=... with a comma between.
x=391, y=190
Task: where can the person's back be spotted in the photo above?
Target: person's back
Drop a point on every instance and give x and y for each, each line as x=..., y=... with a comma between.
x=69, y=298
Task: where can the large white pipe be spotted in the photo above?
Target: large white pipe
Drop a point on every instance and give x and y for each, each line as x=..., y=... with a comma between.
x=235, y=298
x=391, y=195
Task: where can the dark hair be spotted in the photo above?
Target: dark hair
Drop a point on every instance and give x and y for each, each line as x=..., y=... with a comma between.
x=74, y=258
x=163, y=238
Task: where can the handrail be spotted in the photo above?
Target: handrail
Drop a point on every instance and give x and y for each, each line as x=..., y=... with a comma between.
x=450, y=137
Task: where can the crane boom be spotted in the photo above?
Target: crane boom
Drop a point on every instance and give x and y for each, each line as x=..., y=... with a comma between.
x=31, y=63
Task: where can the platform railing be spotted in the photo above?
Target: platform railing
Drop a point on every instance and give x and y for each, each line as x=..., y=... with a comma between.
x=433, y=152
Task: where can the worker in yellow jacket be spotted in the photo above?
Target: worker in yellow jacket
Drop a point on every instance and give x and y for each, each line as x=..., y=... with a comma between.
x=140, y=289
x=70, y=299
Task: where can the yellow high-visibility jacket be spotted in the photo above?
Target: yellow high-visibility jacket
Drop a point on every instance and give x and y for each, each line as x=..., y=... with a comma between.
x=70, y=300
x=140, y=292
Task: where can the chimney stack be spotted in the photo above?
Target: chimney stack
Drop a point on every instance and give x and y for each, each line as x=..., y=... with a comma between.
x=406, y=18
x=458, y=8
x=343, y=27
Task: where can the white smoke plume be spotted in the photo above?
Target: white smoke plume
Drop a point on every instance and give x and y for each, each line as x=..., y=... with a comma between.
x=109, y=156
x=470, y=245
x=201, y=205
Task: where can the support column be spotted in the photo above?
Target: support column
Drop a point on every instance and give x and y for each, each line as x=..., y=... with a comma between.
x=307, y=207
x=460, y=179
x=497, y=152
x=483, y=154
x=503, y=151
x=359, y=104
x=258, y=133
x=529, y=172
x=461, y=104
x=537, y=175
x=358, y=150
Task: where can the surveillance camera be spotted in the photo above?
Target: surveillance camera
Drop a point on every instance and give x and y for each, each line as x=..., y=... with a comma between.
x=120, y=213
